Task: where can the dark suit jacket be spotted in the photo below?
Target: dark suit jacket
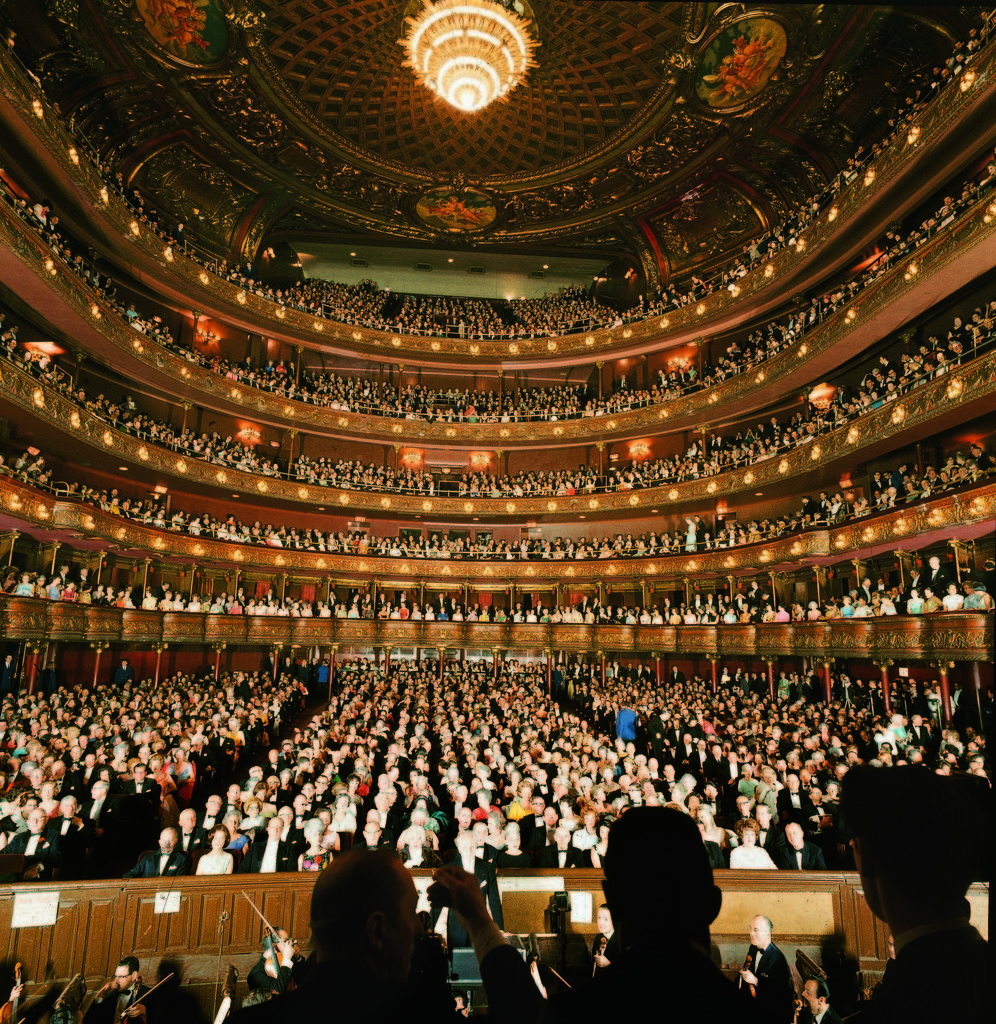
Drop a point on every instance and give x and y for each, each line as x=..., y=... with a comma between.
x=787, y=813
x=197, y=839
x=144, y=804
x=47, y=852
x=812, y=858
x=549, y=858
x=148, y=865
x=830, y=1017
x=286, y=858
x=106, y=1012
x=775, y=993
x=72, y=846
x=930, y=980
x=109, y=814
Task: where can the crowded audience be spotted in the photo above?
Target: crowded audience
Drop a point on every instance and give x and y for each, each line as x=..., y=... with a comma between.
x=410, y=759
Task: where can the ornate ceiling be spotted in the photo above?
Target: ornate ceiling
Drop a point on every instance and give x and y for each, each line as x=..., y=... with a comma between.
x=670, y=132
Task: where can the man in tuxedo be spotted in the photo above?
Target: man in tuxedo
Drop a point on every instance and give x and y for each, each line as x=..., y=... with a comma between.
x=768, y=836
x=270, y=855
x=212, y=813
x=290, y=834
x=272, y=971
x=140, y=807
x=8, y=675
x=73, y=834
x=919, y=735
x=190, y=837
x=41, y=854
x=167, y=861
x=657, y=736
x=699, y=761
x=123, y=674
x=102, y=813
x=793, y=804
x=766, y=972
x=123, y=992
x=937, y=577
x=444, y=921
x=816, y=1004
x=372, y=837
x=81, y=775
x=797, y=854
x=533, y=827
x=561, y=855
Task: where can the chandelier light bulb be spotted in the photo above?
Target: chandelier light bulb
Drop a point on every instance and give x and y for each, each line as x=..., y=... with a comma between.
x=469, y=52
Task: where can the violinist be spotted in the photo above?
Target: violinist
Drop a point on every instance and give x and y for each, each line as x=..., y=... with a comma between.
x=273, y=969
x=120, y=999
x=605, y=948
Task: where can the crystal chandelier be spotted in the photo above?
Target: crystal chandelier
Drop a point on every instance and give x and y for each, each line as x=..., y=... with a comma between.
x=469, y=52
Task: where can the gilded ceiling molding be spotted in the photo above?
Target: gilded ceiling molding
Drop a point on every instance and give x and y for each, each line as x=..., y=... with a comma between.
x=851, y=203
x=957, y=636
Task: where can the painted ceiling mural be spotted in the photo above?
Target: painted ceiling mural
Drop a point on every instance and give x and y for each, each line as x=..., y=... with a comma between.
x=700, y=123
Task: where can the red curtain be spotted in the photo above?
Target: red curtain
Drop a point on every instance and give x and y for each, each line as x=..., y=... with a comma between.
x=308, y=592
x=262, y=588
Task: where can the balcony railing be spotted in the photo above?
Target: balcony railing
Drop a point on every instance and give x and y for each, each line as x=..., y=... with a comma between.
x=972, y=236
x=946, y=636
x=967, y=388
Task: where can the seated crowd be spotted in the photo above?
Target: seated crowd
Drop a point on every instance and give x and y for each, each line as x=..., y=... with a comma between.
x=926, y=592
x=890, y=490
x=408, y=760
x=706, y=456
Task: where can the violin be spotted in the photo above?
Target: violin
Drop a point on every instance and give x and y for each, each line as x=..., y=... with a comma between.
x=8, y=1012
x=748, y=966
x=601, y=944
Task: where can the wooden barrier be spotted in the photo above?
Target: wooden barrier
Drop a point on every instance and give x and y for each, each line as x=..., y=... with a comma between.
x=822, y=913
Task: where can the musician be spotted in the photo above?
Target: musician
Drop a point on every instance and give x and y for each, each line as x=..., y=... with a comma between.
x=363, y=934
x=814, y=1008
x=121, y=997
x=660, y=966
x=766, y=975
x=272, y=971
x=605, y=948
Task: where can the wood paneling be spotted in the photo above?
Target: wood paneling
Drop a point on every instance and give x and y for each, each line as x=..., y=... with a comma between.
x=100, y=922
